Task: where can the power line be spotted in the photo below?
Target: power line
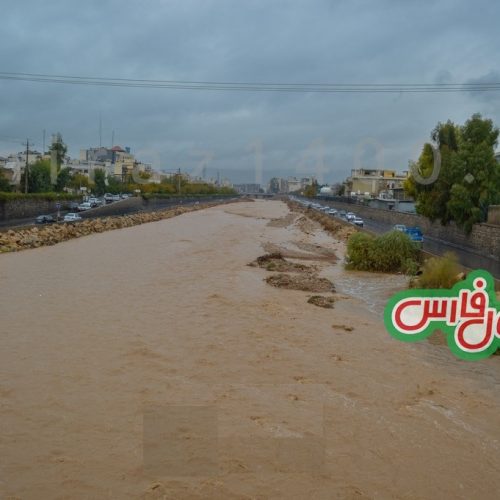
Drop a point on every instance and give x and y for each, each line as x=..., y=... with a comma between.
x=255, y=86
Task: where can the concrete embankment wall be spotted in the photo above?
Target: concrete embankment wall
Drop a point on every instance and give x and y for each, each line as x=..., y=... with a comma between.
x=139, y=204
x=12, y=210
x=484, y=238
x=23, y=208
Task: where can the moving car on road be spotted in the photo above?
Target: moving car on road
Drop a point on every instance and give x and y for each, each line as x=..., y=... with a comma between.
x=84, y=206
x=44, y=219
x=73, y=205
x=72, y=217
x=415, y=234
x=94, y=202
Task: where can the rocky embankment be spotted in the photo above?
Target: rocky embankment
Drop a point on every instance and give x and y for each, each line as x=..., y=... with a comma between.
x=34, y=237
x=336, y=227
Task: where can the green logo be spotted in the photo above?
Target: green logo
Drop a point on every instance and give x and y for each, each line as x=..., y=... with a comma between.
x=468, y=314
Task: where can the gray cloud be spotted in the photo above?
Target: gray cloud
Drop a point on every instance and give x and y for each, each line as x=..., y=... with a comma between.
x=220, y=40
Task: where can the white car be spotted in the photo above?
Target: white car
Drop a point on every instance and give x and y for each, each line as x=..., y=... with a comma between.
x=332, y=211
x=72, y=217
x=84, y=206
x=350, y=216
x=358, y=221
x=94, y=202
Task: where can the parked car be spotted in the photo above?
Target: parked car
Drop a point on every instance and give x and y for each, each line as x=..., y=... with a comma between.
x=358, y=221
x=342, y=213
x=350, y=216
x=72, y=217
x=400, y=227
x=94, y=202
x=84, y=206
x=116, y=197
x=108, y=198
x=332, y=211
x=44, y=219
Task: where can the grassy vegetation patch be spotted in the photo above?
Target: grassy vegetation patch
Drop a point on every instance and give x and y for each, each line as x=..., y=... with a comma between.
x=390, y=252
x=439, y=272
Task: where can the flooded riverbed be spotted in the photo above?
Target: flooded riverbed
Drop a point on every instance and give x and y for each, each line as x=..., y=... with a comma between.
x=153, y=362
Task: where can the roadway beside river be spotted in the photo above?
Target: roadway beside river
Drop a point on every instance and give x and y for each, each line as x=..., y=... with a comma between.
x=126, y=206
x=467, y=257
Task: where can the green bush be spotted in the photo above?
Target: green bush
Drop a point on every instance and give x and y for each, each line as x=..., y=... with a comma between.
x=360, y=252
x=391, y=252
x=439, y=272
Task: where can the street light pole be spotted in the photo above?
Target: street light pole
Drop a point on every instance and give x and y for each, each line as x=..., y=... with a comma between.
x=26, y=167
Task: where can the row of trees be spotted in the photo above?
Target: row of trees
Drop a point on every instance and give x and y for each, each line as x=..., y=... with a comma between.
x=468, y=178
x=40, y=181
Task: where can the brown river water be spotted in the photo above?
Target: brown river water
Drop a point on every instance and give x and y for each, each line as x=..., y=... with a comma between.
x=151, y=362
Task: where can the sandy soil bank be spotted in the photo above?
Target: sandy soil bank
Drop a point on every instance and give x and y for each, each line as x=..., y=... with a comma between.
x=153, y=362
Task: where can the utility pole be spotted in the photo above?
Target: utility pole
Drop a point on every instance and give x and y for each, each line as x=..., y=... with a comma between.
x=100, y=129
x=26, y=166
x=43, y=152
x=179, y=181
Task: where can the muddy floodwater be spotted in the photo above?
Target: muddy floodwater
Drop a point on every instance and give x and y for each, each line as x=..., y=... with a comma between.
x=152, y=362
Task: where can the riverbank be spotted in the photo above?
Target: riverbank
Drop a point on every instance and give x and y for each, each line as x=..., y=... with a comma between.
x=154, y=362
x=14, y=240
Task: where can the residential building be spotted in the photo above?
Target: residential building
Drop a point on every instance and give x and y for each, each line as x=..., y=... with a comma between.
x=375, y=183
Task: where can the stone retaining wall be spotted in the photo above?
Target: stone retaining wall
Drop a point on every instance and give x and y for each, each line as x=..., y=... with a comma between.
x=24, y=208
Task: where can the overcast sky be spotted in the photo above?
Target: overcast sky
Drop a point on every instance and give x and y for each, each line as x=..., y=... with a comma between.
x=322, y=41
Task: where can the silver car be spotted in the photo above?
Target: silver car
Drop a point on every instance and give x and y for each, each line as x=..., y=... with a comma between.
x=72, y=217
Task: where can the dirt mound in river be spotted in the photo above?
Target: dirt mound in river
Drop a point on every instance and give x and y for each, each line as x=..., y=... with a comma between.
x=313, y=252
x=277, y=263
x=283, y=221
x=306, y=283
x=322, y=301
